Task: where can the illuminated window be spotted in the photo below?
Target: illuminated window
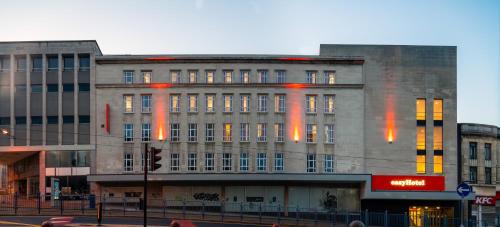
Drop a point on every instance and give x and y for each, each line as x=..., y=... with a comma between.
x=128, y=162
x=329, y=77
x=192, y=132
x=244, y=132
x=279, y=103
x=227, y=162
x=209, y=103
x=329, y=104
x=262, y=76
x=420, y=163
x=328, y=165
x=175, y=105
x=279, y=132
x=278, y=162
x=245, y=76
x=193, y=103
x=310, y=103
x=209, y=132
x=244, y=103
x=311, y=77
x=128, y=132
x=175, y=76
x=175, y=132
x=228, y=103
x=420, y=137
x=261, y=161
x=311, y=133
x=438, y=138
x=128, y=103
x=210, y=77
x=193, y=76
x=192, y=162
x=243, y=161
x=261, y=132
x=228, y=77
x=128, y=76
x=174, y=162
x=438, y=109
x=280, y=76
x=311, y=163
x=146, y=103
x=146, y=132
x=209, y=161
x=262, y=103
x=420, y=109
x=227, y=132
x=146, y=77
x=438, y=164
x=329, y=133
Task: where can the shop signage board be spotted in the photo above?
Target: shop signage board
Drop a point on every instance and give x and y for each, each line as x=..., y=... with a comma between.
x=407, y=183
x=485, y=200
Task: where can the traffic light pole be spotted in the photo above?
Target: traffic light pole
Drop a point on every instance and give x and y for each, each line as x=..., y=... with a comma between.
x=145, y=203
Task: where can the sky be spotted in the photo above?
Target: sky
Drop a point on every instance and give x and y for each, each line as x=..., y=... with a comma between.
x=278, y=27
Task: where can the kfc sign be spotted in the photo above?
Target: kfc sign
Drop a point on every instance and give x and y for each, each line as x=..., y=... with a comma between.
x=485, y=200
x=407, y=183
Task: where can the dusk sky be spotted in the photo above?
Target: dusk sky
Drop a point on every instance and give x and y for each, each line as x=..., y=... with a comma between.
x=278, y=27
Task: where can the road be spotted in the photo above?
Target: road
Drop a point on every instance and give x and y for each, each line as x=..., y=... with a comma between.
x=33, y=221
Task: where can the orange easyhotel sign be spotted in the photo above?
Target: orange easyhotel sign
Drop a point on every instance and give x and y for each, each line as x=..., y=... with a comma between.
x=407, y=183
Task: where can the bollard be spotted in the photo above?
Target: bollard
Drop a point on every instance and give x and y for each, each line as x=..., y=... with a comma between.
x=279, y=213
x=241, y=211
x=405, y=221
x=366, y=217
x=39, y=203
x=386, y=219
x=347, y=218
x=315, y=217
x=99, y=213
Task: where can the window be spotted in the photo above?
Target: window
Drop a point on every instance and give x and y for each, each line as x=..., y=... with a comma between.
x=279, y=103
x=280, y=76
x=146, y=103
x=438, y=164
x=192, y=161
x=146, y=132
x=175, y=76
x=472, y=150
x=4, y=63
x=210, y=77
x=261, y=162
x=244, y=132
x=310, y=103
x=329, y=103
x=209, y=103
x=68, y=119
x=128, y=103
x=226, y=162
x=22, y=120
x=36, y=88
x=193, y=76
x=50, y=120
x=261, y=132
x=228, y=77
x=420, y=109
x=421, y=163
x=487, y=151
x=243, y=161
x=128, y=162
x=245, y=76
x=209, y=161
x=328, y=163
x=244, y=103
x=329, y=133
x=279, y=132
x=228, y=103
x=53, y=62
x=52, y=88
x=311, y=77
x=311, y=133
x=473, y=174
x=438, y=138
x=487, y=175
x=128, y=132
x=35, y=120
x=37, y=64
x=175, y=132
x=68, y=87
x=146, y=76
x=21, y=63
x=69, y=63
x=262, y=76
x=227, y=131
x=209, y=132
x=193, y=103
x=311, y=163
x=174, y=162
x=83, y=87
x=192, y=132
x=84, y=119
x=438, y=109
x=128, y=76
x=329, y=77
x=84, y=62
x=278, y=162
x=175, y=104
x=262, y=103
x=421, y=138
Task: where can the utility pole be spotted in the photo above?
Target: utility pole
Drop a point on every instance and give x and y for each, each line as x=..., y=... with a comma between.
x=145, y=203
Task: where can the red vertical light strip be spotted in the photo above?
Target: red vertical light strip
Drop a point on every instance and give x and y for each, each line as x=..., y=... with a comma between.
x=296, y=111
x=107, y=118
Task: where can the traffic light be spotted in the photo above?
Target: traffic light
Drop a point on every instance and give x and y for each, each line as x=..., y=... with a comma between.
x=155, y=158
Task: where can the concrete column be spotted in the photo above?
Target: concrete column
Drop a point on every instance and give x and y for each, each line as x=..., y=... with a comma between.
x=12, y=116
x=59, y=97
x=75, y=98
x=44, y=99
x=41, y=174
x=286, y=201
x=28, y=100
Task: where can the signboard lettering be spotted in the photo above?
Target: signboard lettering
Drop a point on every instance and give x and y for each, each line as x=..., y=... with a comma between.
x=407, y=183
x=485, y=200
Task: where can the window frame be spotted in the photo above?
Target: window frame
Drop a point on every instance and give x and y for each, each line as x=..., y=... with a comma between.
x=311, y=163
x=128, y=76
x=146, y=132
x=128, y=132
x=279, y=162
x=261, y=162
x=146, y=100
x=192, y=132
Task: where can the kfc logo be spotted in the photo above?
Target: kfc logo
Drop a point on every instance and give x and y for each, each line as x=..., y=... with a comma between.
x=485, y=200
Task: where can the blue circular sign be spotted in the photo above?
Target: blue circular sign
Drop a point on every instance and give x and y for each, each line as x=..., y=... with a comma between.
x=463, y=190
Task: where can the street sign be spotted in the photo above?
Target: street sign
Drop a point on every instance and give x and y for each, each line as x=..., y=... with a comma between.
x=485, y=200
x=463, y=190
